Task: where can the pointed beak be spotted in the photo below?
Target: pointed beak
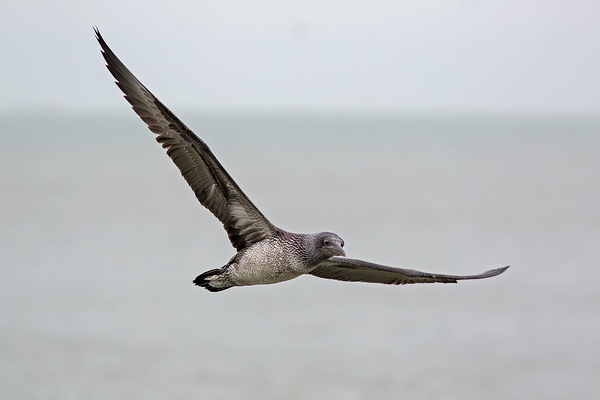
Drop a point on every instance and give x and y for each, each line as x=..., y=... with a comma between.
x=338, y=251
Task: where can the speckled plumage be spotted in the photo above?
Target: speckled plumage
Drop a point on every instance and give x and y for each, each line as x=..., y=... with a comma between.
x=265, y=253
x=269, y=261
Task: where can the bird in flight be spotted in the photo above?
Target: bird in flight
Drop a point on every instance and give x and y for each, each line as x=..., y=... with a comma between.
x=265, y=253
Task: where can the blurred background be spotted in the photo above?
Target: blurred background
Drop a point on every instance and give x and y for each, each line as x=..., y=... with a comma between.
x=451, y=137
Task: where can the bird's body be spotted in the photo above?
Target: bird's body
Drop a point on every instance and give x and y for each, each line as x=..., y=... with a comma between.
x=265, y=253
x=271, y=260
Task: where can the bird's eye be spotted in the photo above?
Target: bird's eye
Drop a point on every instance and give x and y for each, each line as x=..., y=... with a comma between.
x=326, y=242
x=342, y=244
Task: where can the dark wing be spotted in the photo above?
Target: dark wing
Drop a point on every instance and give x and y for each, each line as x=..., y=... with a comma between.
x=348, y=269
x=213, y=186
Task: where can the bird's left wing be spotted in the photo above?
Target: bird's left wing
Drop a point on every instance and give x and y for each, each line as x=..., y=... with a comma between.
x=351, y=270
x=213, y=186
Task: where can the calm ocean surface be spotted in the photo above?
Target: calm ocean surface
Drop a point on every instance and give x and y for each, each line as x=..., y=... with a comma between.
x=100, y=239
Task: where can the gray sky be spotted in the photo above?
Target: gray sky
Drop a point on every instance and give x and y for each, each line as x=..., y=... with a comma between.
x=508, y=56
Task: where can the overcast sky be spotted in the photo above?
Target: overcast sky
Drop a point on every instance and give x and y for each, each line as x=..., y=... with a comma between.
x=501, y=56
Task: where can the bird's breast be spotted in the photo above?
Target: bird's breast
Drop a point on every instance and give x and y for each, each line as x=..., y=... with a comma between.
x=268, y=261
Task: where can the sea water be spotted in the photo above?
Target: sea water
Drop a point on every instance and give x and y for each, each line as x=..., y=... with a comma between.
x=100, y=238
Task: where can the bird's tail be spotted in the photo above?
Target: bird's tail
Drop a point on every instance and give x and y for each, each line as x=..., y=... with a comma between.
x=205, y=279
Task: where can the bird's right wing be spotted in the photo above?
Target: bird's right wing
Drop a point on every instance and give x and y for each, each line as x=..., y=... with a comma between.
x=351, y=270
x=211, y=183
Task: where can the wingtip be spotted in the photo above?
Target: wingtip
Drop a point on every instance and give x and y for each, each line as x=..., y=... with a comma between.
x=494, y=272
x=100, y=39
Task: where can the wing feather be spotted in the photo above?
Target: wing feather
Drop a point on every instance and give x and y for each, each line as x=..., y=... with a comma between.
x=212, y=185
x=351, y=270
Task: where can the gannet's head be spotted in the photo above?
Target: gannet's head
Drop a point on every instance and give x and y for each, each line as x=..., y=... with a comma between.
x=327, y=244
